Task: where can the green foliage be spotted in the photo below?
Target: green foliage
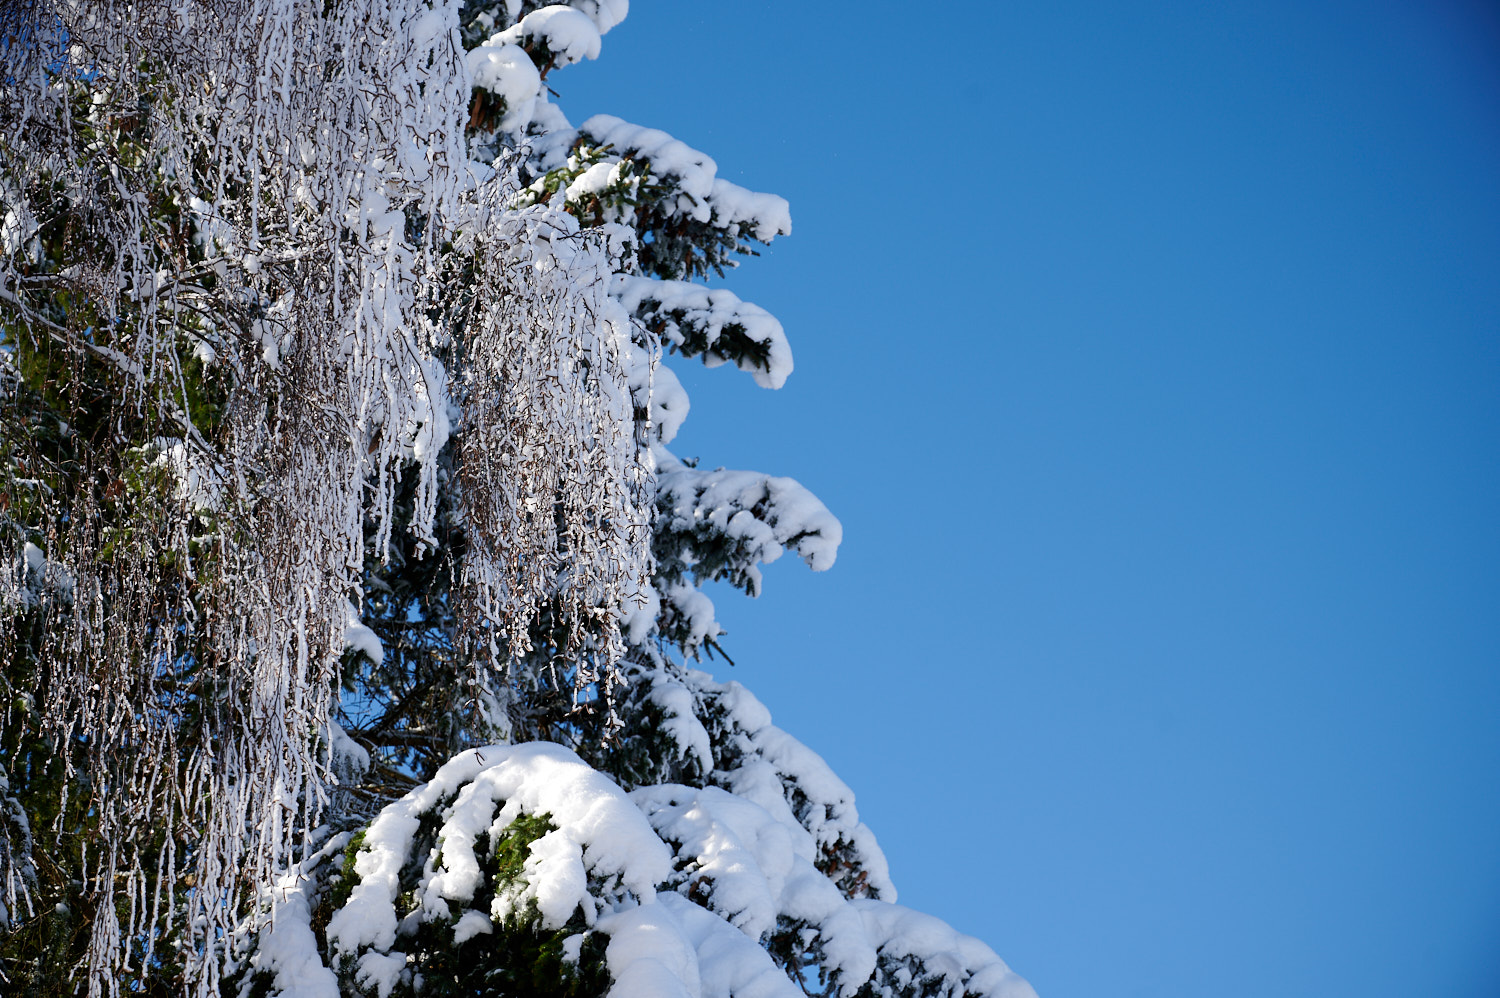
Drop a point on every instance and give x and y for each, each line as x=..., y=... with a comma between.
x=341, y=885
x=671, y=244
x=514, y=845
x=520, y=961
x=40, y=958
x=629, y=193
x=733, y=342
x=517, y=957
x=408, y=709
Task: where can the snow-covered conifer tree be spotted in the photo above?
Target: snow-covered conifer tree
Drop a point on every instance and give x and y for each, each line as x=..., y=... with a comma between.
x=350, y=590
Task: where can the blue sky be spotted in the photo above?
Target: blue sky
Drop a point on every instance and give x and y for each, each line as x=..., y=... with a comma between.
x=1149, y=355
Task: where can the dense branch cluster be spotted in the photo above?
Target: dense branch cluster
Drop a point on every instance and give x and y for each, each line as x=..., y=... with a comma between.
x=349, y=582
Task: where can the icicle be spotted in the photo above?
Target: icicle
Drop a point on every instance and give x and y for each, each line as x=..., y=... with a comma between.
x=281, y=188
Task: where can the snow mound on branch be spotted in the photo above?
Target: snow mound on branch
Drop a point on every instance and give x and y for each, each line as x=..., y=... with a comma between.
x=916, y=947
x=764, y=216
x=704, y=196
x=506, y=71
x=360, y=638
x=695, y=319
x=649, y=956
x=286, y=947
x=693, y=170
x=597, y=832
x=694, y=887
x=764, y=513
x=745, y=853
x=753, y=868
x=721, y=734
x=347, y=758
x=669, y=404
x=604, y=13
x=675, y=948
x=689, y=615
x=738, y=862
x=568, y=35
x=723, y=525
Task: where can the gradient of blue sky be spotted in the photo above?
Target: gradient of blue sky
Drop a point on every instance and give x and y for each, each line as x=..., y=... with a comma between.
x=1149, y=355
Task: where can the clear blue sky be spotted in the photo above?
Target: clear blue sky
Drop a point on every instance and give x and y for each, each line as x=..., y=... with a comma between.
x=1149, y=355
